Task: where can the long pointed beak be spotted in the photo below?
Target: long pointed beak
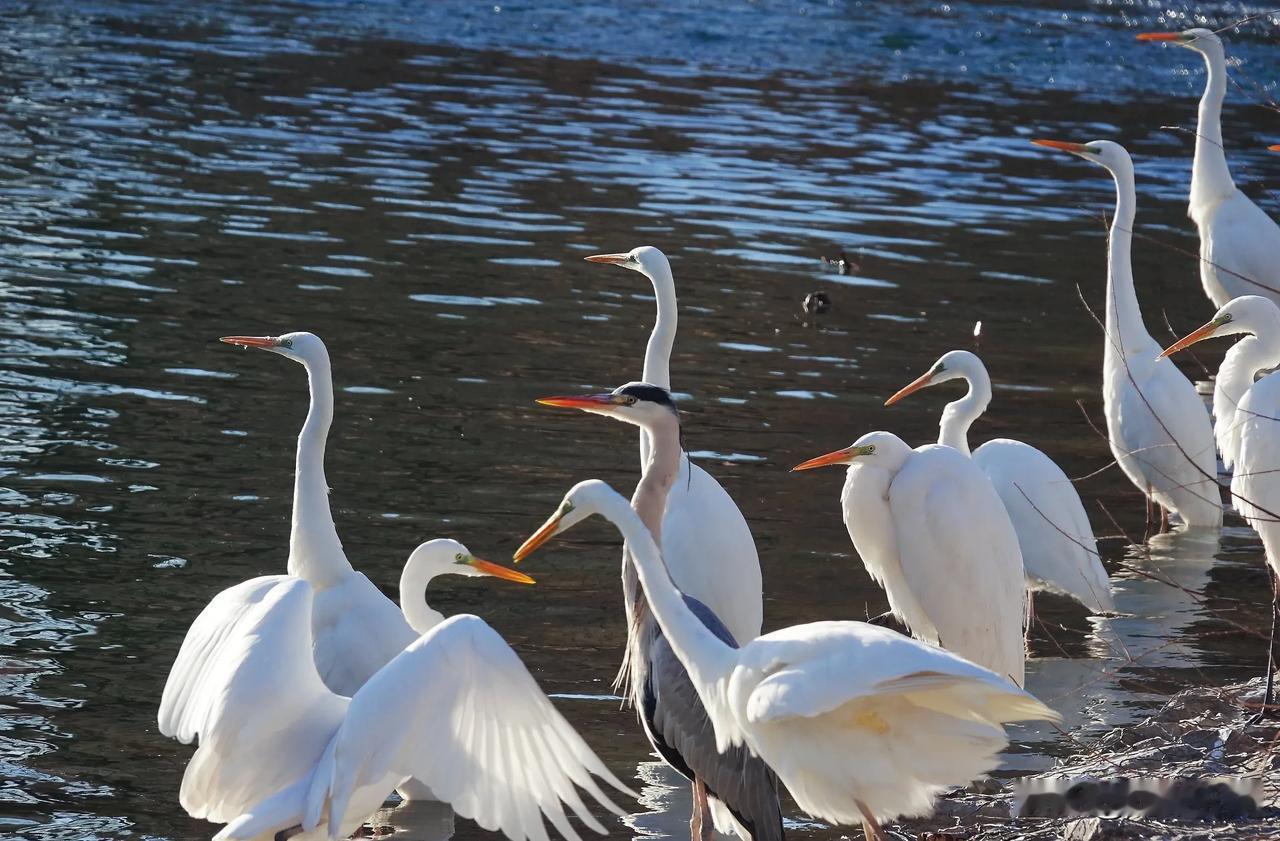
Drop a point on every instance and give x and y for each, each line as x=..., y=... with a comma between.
x=838, y=457
x=544, y=533
x=1064, y=145
x=500, y=571
x=264, y=342
x=615, y=259
x=594, y=402
x=922, y=381
x=1199, y=334
x=1159, y=36
x=1275, y=148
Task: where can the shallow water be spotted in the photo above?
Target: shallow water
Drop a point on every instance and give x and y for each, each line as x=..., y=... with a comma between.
x=418, y=184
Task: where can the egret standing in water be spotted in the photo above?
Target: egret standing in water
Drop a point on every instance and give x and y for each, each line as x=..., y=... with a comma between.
x=1157, y=424
x=701, y=521
x=1059, y=551
x=1239, y=243
x=733, y=788
x=931, y=530
x=861, y=723
x=455, y=710
x=1253, y=426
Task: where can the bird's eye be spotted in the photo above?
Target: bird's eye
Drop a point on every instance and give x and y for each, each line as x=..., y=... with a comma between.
x=286, y=343
x=871, y=448
x=458, y=557
x=937, y=369
x=631, y=401
x=1226, y=318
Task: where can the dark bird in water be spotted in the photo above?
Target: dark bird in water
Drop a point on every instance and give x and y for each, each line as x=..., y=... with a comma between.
x=817, y=302
x=842, y=263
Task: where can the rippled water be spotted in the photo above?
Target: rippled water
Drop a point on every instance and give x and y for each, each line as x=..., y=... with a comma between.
x=417, y=183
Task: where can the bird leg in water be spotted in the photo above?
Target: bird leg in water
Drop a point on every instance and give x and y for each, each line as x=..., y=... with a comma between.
x=701, y=825
x=1164, y=519
x=872, y=830
x=1271, y=651
x=1031, y=617
x=1146, y=531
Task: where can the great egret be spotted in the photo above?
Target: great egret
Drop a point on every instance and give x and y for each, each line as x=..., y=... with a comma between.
x=1059, y=551
x=456, y=710
x=701, y=522
x=860, y=723
x=1254, y=426
x=1157, y=424
x=931, y=530
x=1239, y=243
x=661, y=692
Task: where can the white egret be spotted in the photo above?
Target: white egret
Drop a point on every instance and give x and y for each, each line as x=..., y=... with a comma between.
x=1239, y=243
x=701, y=522
x=456, y=710
x=860, y=723
x=1059, y=551
x=1254, y=426
x=736, y=788
x=931, y=530
x=1157, y=424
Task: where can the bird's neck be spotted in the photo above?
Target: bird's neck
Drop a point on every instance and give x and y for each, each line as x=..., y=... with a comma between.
x=1126, y=331
x=315, y=552
x=413, y=599
x=660, y=472
x=657, y=353
x=1210, y=177
x=959, y=415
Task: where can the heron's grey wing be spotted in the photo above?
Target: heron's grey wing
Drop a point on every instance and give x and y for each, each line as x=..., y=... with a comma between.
x=683, y=735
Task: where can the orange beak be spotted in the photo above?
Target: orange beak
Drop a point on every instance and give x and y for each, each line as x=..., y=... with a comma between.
x=614, y=259
x=539, y=537
x=585, y=401
x=264, y=342
x=1199, y=334
x=1275, y=148
x=500, y=571
x=915, y=385
x=1160, y=36
x=1062, y=144
x=838, y=457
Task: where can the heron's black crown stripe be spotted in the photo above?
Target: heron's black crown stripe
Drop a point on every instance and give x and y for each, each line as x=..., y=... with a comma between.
x=651, y=393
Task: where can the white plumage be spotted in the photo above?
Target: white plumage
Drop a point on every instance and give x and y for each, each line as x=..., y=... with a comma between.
x=1059, y=551
x=455, y=710
x=860, y=723
x=931, y=530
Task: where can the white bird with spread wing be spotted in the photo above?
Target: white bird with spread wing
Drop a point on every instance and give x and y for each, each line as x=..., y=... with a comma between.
x=1059, y=551
x=931, y=530
x=1239, y=243
x=455, y=710
x=1157, y=424
x=860, y=723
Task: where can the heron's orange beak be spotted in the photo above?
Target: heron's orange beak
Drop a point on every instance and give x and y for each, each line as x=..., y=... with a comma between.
x=264, y=342
x=615, y=259
x=1197, y=335
x=915, y=385
x=539, y=537
x=838, y=457
x=1062, y=144
x=1159, y=36
x=584, y=401
x=500, y=571
x=1275, y=148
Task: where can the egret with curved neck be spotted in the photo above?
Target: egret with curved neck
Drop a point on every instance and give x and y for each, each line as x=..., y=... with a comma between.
x=697, y=507
x=1059, y=551
x=1239, y=243
x=860, y=723
x=1157, y=424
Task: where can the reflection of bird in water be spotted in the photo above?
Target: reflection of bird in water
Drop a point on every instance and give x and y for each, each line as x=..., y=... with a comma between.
x=737, y=789
x=456, y=710
x=1157, y=424
x=1059, y=551
x=932, y=531
x=1253, y=428
x=842, y=264
x=860, y=723
x=414, y=820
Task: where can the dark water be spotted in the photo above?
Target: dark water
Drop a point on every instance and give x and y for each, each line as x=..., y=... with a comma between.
x=417, y=184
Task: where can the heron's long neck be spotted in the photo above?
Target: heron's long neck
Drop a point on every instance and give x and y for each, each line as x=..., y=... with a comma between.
x=315, y=552
x=1210, y=176
x=705, y=657
x=657, y=353
x=1125, y=329
x=959, y=415
x=413, y=599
